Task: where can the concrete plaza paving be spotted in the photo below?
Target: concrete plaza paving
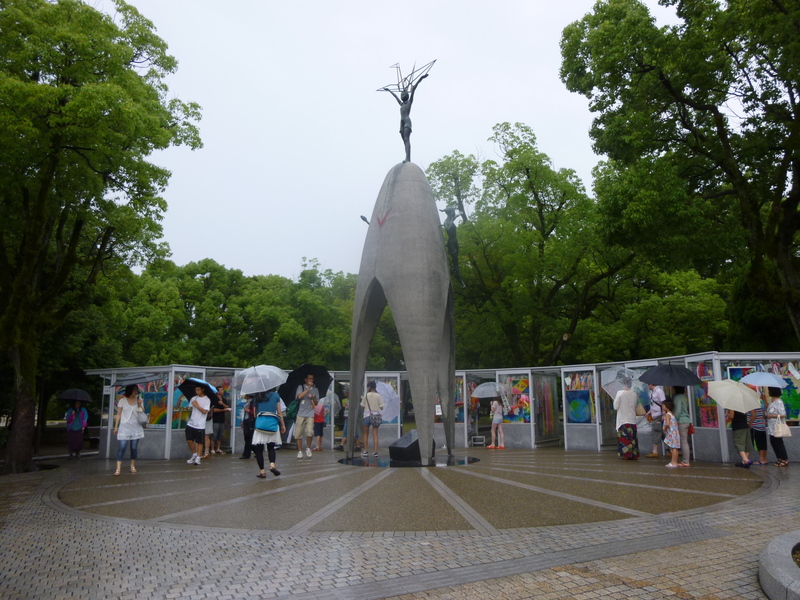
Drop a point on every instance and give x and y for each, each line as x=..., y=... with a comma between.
x=517, y=524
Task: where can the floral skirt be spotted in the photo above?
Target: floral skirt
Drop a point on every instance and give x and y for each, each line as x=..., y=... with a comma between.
x=627, y=444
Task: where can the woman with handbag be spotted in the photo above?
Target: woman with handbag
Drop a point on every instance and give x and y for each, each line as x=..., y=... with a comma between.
x=776, y=421
x=269, y=426
x=373, y=404
x=128, y=425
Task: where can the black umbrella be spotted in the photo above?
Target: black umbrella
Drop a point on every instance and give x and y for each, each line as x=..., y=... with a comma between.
x=187, y=388
x=74, y=395
x=322, y=379
x=669, y=375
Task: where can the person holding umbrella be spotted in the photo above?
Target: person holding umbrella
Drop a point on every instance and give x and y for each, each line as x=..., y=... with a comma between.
x=267, y=404
x=196, y=425
x=625, y=405
x=496, y=411
x=740, y=431
x=77, y=420
x=127, y=427
x=307, y=395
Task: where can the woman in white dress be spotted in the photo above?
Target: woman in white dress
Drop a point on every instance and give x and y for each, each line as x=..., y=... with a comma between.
x=126, y=426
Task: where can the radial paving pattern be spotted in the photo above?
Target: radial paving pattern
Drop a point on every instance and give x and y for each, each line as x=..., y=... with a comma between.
x=504, y=490
x=518, y=524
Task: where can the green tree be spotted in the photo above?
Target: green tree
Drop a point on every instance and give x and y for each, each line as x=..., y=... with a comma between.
x=530, y=256
x=713, y=99
x=82, y=104
x=655, y=313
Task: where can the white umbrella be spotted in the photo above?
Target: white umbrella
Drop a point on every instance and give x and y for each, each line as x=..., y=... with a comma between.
x=765, y=379
x=331, y=400
x=260, y=378
x=391, y=411
x=733, y=395
x=612, y=381
x=490, y=389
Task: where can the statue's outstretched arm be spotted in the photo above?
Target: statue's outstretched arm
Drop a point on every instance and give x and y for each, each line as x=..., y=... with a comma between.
x=386, y=89
x=415, y=86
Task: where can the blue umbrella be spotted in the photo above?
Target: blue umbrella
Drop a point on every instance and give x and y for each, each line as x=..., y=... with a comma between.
x=187, y=388
x=764, y=379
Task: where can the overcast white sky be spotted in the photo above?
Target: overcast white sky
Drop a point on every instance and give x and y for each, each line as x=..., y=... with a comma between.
x=297, y=141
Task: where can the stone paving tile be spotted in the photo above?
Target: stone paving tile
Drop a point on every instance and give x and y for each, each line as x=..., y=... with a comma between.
x=704, y=553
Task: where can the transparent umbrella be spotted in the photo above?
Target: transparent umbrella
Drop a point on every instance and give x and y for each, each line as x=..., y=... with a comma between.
x=613, y=380
x=392, y=409
x=490, y=389
x=260, y=378
x=331, y=400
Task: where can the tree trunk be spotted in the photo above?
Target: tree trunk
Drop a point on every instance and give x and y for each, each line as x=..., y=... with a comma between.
x=19, y=451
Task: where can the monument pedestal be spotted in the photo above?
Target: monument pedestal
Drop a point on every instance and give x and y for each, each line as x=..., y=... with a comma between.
x=406, y=448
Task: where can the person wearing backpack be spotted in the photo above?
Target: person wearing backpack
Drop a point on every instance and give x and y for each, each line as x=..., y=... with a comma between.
x=268, y=429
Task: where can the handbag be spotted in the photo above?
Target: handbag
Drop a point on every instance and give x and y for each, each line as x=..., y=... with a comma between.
x=267, y=422
x=375, y=419
x=782, y=429
x=640, y=411
x=142, y=418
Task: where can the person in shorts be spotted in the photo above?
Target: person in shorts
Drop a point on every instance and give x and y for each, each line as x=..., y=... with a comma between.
x=196, y=425
x=308, y=395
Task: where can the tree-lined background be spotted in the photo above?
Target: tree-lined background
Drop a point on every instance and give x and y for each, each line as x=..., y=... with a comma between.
x=685, y=240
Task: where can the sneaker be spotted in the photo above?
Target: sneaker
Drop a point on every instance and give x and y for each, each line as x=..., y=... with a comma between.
x=191, y=460
x=365, y=453
x=375, y=454
x=197, y=460
x=308, y=452
x=300, y=454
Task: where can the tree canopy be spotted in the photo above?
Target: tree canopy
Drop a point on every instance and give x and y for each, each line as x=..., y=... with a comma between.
x=712, y=102
x=83, y=103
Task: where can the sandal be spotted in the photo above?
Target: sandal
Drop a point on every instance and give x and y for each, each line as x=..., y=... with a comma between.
x=133, y=469
x=116, y=472
x=262, y=475
x=274, y=471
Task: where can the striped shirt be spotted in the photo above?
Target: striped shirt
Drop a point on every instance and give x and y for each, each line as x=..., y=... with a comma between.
x=759, y=423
